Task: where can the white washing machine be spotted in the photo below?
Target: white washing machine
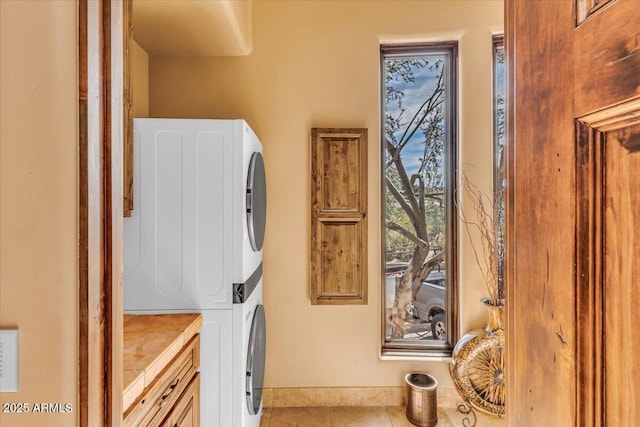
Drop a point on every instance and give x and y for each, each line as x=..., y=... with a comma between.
x=249, y=343
x=194, y=244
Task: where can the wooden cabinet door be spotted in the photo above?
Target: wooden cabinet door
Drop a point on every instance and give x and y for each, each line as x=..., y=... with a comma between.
x=339, y=216
x=186, y=412
x=573, y=212
x=127, y=101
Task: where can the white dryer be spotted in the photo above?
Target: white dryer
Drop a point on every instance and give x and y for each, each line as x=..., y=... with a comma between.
x=249, y=211
x=199, y=213
x=194, y=244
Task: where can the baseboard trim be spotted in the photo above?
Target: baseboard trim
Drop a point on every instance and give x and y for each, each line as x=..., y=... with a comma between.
x=296, y=397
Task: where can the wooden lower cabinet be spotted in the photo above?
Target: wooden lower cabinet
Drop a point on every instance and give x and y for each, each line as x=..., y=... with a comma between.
x=173, y=397
x=186, y=412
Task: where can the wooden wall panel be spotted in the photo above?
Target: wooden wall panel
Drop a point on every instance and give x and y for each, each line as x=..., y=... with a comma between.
x=338, y=216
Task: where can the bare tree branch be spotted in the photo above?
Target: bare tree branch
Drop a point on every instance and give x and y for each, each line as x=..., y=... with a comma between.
x=435, y=195
x=406, y=137
x=398, y=196
x=407, y=188
x=406, y=233
x=403, y=142
x=431, y=104
x=424, y=271
x=417, y=177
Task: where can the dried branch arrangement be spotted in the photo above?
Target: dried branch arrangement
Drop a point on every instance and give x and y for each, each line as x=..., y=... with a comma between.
x=487, y=255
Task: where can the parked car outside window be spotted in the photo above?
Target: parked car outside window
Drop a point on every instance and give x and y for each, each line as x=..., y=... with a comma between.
x=428, y=304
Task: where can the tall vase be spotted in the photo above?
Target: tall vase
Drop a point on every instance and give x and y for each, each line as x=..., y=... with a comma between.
x=477, y=367
x=496, y=316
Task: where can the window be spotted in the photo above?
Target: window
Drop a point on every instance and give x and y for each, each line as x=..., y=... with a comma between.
x=499, y=160
x=419, y=215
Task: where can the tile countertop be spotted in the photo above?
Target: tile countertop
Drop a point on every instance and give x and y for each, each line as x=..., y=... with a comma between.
x=151, y=341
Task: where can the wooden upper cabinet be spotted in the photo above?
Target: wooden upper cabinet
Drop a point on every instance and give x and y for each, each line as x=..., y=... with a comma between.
x=127, y=100
x=338, y=216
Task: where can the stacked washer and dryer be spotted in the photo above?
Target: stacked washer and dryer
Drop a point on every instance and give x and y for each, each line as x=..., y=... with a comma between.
x=194, y=244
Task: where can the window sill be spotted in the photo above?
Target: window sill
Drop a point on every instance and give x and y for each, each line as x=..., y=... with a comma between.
x=415, y=356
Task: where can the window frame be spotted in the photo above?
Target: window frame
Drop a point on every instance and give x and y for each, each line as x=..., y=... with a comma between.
x=427, y=348
x=499, y=185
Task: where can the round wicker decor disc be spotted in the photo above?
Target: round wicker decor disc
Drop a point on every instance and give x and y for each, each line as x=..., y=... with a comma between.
x=477, y=371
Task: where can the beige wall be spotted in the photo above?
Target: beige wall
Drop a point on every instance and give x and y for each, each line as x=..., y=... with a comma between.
x=38, y=202
x=316, y=64
x=140, y=80
x=193, y=28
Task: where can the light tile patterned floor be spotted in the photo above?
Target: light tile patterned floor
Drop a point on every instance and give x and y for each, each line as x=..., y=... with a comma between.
x=364, y=416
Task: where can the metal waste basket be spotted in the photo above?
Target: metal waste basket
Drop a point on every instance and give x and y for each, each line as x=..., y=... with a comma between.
x=422, y=399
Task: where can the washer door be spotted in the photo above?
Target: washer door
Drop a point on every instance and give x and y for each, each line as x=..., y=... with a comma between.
x=255, y=361
x=256, y=201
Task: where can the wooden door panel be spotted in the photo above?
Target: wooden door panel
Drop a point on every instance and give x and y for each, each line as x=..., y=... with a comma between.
x=607, y=99
x=341, y=166
x=608, y=205
x=621, y=273
x=340, y=259
x=586, y=8
x=607, y=57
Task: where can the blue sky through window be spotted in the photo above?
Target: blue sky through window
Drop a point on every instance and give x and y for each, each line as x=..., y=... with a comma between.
x=425, y=80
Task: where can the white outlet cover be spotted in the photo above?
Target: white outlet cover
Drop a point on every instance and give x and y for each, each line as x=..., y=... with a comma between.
x=9, y=357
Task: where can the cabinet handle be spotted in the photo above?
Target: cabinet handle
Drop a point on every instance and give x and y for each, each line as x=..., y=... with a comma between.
x=168, y=392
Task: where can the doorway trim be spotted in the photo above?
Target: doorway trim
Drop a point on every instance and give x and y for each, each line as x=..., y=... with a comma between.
x=100, y=130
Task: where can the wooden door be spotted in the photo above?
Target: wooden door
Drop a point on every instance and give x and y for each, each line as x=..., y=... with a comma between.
x=573, y=263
